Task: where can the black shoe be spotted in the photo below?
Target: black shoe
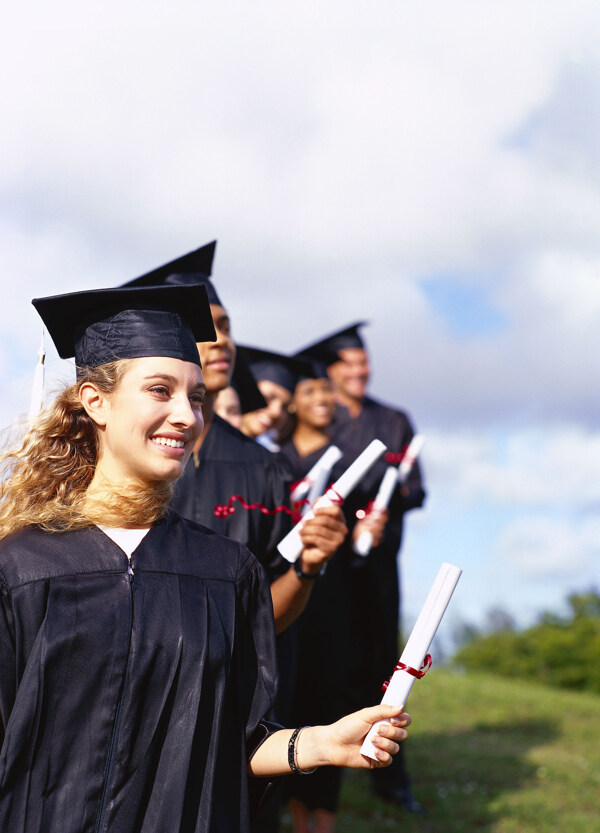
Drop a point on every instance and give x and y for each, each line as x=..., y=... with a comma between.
x=402, y=797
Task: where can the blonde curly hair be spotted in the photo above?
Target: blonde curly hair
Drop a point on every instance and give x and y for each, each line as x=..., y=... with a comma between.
x=43, y=480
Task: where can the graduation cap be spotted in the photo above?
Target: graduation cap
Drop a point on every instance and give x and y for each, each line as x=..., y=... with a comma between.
x=193, y=268
x=327, y=349
x=274, y=367
x=318, y=367
x=101, y=325
x=244, y=384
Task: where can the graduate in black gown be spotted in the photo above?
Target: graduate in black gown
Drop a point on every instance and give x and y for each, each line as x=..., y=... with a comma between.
x=228, y=469
x=324, y=645
x=375, y=592
x=276, y=375
x=136, y=647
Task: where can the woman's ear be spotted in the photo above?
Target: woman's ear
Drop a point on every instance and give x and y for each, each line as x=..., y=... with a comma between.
x=94, y=402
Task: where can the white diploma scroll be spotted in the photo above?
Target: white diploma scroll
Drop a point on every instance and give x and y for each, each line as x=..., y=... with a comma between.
x=291, y=546
x=393, y=475
x=417, y=646
x=409, y=459
x=318, y=476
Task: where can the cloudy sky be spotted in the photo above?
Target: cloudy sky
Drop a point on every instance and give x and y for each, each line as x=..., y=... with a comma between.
x=431, y=167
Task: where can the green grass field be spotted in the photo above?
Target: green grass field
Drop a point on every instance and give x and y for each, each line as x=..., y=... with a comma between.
x=490, y=754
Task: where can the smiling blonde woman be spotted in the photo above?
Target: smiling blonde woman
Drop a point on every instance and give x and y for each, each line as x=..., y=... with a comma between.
x=136, y=648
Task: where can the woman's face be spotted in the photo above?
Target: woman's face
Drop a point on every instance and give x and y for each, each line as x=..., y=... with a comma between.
x=274, y=415
x=148, y=425
x=218, y=356
x=227, y=406
x=313, y=403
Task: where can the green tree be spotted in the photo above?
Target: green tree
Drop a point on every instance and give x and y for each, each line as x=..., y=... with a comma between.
x=562, y=652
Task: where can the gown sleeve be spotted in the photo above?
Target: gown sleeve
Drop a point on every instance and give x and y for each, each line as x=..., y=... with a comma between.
x=279, y=478
x=256, y=668
x=7, y=660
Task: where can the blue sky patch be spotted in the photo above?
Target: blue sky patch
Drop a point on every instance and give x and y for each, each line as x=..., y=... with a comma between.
x=468, y=310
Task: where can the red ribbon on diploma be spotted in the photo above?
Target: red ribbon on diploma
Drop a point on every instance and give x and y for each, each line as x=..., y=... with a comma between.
x=366, y=510
x=394, y=458
x=427, y=663
x=224, y=509
x=334, y=496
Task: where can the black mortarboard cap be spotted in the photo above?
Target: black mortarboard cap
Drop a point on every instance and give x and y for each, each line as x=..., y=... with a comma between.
x=274, y=367
x=244, y=384
x=327, y=349
x=318, y=367
x=101, y=325
x=193, y=268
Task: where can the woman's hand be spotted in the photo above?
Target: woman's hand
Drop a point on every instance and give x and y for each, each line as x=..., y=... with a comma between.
x=335, y=745
x=373, y=522
x=339, y=743
x=321, y=537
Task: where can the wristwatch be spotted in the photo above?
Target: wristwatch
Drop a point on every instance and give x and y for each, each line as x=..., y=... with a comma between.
x=307, y=576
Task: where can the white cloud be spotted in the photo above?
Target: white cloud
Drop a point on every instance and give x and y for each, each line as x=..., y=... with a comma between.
x=539, y=547
x=554, y=470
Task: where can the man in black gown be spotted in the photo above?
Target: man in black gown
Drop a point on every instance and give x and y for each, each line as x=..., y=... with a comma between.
x=375, y=595
x=228, y=468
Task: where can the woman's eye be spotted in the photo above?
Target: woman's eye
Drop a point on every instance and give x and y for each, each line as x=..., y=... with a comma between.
x=197, y=400
x=161, y=390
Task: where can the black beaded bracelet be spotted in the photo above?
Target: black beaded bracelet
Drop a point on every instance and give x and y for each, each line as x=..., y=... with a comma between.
x=293, y=755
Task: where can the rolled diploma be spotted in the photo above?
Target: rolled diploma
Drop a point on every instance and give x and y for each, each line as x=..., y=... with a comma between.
x=291, y=546
x=321, y=477
x=408, y=461
x=325, y=462
x=363, y=544
x=417, y=646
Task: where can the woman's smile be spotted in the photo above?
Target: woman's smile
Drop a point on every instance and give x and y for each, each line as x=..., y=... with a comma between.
x=170, y=445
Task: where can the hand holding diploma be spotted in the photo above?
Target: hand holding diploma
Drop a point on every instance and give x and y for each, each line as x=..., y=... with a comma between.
x=291, y=546
x=322, y=535
x=338, y=744
x=392, y=476
x=414, y=654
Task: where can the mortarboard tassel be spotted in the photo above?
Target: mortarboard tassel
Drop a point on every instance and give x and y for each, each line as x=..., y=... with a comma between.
x=37, y=391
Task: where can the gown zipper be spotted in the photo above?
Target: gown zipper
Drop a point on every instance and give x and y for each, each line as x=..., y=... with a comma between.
x=108, y=766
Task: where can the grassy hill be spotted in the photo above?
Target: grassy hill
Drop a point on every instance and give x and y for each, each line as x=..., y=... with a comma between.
x=491, y=754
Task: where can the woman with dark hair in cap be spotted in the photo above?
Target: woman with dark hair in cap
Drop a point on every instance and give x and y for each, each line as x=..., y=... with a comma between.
x=319, y=694
x=376, y=580
x=136, y=648
x=276, y=375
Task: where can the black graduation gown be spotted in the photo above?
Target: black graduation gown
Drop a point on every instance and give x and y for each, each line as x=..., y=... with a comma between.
x=375, y=593
x=131, y=705
x=229, y=463
x=322, y=647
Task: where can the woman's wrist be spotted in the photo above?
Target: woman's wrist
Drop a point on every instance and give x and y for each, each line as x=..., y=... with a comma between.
x=311, y=747
x=307, y=572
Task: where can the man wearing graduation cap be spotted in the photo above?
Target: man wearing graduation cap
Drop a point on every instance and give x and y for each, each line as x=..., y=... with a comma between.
x=376, y=592
x=229, y=471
